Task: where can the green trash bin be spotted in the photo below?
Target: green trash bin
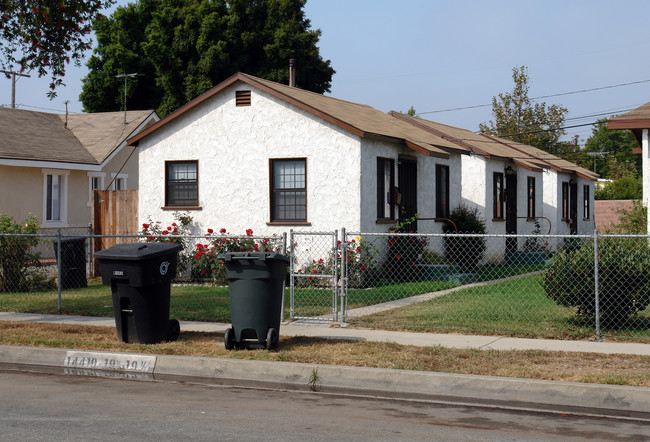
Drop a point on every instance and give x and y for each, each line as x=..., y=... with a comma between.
x=256, y=288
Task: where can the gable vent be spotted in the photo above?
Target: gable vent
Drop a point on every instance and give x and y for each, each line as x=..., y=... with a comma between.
x=243, y=98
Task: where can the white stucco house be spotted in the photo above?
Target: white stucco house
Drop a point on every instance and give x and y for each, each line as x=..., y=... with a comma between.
x=638, y=121
x=254, y=154
x=51, y=163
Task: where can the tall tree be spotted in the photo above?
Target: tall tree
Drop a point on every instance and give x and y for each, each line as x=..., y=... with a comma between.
x=617, y=159
x=518, y=119
x=45, y=35
x=181, y=49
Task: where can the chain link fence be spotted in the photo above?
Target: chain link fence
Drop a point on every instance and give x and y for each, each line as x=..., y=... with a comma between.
x=538, y=286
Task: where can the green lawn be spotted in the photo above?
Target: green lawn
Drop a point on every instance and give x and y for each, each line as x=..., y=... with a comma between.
x=515, y=307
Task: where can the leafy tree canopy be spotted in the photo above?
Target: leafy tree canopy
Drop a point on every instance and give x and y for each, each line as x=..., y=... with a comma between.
x=45, y=35
x=181, y=49
x=518, y=119
x=618, y=159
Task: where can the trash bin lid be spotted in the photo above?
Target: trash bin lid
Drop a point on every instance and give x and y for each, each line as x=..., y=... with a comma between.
x=138, y=251
x=260, y=256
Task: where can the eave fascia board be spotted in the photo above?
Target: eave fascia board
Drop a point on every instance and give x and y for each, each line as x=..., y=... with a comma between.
x=50, y=165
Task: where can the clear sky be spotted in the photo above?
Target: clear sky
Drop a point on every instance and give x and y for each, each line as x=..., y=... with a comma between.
x=443, y=54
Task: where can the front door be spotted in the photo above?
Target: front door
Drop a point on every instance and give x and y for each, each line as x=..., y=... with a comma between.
x=407, y=181
x=511, y=210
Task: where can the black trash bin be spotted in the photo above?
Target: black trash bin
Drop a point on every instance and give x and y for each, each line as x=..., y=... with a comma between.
x=73, y=262
x=255, y=284
x=140, y=278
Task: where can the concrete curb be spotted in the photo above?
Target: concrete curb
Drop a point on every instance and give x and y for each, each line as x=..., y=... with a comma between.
x=566, y=397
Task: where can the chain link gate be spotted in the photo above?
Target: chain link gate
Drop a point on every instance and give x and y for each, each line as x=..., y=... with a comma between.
x=315, y=275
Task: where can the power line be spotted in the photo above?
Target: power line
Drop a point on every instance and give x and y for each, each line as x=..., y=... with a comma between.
x=542, y=96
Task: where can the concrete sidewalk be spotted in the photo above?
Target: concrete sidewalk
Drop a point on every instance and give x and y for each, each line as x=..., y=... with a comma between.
x=323, y=329
x=562, y=397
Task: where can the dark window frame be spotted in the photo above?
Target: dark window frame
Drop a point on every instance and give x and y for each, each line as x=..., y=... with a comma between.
x=586, y=205
x=442, y=201
x=172, y=187
x=498, y=194
x=276, y=193
x=565, y=201
x=384, y=195
x=531, y=196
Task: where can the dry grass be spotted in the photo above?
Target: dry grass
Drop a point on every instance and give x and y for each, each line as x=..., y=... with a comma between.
x=559, y=366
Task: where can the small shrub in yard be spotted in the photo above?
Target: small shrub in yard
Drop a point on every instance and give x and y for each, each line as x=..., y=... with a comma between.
x=18, y=264
x=206, y=267
x=623, y=282
x=467, y=252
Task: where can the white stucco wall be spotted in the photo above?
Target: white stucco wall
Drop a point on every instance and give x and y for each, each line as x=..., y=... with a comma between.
x=233, y=146
x=474, y=188
x=645, y=167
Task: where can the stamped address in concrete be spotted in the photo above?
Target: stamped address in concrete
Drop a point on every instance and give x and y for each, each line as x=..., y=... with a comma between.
x=110, y=361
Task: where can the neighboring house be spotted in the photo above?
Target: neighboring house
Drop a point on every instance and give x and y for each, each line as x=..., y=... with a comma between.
x=638, y=121
x=50, y=164
x=513, y=184
x=251, y=153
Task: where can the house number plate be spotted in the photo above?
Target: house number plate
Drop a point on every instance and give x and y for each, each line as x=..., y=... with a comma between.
x=110, y=361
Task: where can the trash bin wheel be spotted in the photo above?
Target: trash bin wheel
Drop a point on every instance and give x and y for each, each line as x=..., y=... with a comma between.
x=173, y=330
x=272, y=339
x=229, y=339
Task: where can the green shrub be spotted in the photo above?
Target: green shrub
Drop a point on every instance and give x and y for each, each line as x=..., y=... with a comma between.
x=466, y=252
x=17, y=260
x=623, y=283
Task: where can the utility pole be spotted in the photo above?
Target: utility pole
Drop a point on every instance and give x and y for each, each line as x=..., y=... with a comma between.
x=13, y=84
x=126, y=77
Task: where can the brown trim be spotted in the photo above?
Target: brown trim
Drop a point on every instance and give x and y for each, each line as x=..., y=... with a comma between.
x=165, y=181
x=426, y=151
x=181, y=208
x=287, y=222
x=281, y=223
x=243, y=98
x=438, y=133
x=250, y=80
x=524, y=166
x=637, y=150
x=184, y=108
x=385, y=221
x=636, y=123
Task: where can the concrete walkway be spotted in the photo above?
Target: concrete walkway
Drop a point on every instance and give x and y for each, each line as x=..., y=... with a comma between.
x=561, y=397
x=324, y=329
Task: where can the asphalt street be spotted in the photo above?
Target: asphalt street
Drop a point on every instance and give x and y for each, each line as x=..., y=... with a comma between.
x=67, y=407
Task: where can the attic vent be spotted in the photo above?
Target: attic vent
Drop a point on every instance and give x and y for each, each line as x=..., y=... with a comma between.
x=243, y=98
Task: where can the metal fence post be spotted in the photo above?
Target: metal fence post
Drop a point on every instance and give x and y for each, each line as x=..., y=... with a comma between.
x=284, y=252
x=596, y=287
x=344, y=275
x=89, y=251
x=58, y=269
x=335, y=276
x=292, y=280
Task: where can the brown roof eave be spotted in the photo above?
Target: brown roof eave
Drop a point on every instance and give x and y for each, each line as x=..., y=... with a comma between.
x=638, y=123
x=250, y=81
x=439, y=134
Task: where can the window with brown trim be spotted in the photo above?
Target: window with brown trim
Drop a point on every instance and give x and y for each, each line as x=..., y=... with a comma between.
x=289, y=190
x=442, y=191
x=182, y=183
x=242, y=98
x=531, y=197
x=497, y=195
x=385, y=183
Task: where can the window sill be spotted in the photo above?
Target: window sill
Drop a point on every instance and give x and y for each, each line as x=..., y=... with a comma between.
x=181, y=208
x=498, y=220
x=586, y=219
x=385, y=221
x=531, y=220
x=288, y=223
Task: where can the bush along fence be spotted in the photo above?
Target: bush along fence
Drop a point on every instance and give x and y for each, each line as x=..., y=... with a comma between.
x=544, y=286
